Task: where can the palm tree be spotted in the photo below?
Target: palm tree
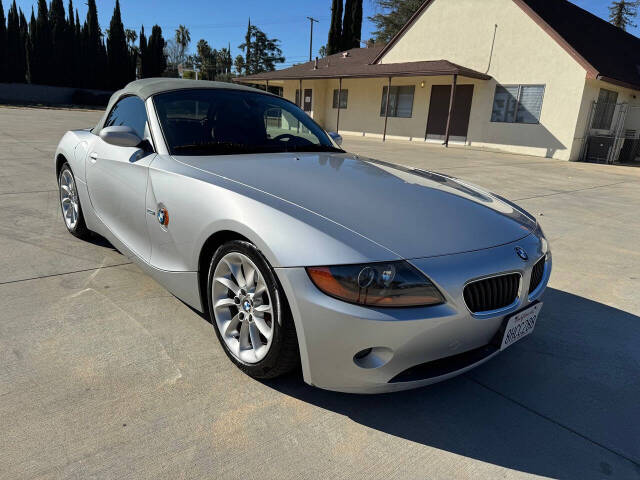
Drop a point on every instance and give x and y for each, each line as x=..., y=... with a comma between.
x=183, y=38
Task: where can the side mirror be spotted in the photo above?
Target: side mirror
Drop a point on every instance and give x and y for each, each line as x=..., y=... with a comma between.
x=336, y=137
x=121, y=136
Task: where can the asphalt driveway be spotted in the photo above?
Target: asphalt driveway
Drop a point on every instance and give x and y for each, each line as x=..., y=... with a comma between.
x=103, y=374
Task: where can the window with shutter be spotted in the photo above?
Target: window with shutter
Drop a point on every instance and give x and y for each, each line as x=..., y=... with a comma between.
x=400, y=101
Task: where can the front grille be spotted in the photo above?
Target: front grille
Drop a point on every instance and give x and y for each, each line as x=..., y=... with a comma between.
x=536, y=274
x=492, y=293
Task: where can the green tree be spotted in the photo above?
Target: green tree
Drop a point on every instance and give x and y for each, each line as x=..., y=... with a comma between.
x=29, y=47
x=4, y=51
x=42, y=47
x=334, y=42
x=392, y=16
x=60, y=44
x=93, y=51
x=157, y=59
x=15, y=46
x=118, y=52
x=264, y=53
x=183, y=39
x=24, y=38
x=208, y=59
x=322, y=51
x=144, y=55
x=622, y=13
x=352, y=24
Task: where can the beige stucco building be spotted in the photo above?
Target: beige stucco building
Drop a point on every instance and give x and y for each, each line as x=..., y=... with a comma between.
x=529, y=76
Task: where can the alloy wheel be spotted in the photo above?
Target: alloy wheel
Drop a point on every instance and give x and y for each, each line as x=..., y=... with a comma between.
x=242, y=307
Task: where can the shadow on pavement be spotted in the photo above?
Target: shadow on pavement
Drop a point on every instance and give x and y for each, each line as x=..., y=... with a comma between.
x=563, y=403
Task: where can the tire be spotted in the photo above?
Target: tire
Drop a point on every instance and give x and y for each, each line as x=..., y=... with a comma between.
x=70, y=204
x=250, y=314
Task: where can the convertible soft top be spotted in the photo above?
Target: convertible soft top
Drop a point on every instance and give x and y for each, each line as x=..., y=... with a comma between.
x=147, y=87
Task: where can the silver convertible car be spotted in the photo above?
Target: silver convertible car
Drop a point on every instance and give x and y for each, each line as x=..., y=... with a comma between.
x=371, y=276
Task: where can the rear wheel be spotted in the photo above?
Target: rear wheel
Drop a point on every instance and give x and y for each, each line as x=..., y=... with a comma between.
x=249, y=312
x=70, y=203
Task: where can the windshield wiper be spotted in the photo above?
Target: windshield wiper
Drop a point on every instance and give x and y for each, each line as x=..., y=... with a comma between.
x=221, y=148
x=314, y=148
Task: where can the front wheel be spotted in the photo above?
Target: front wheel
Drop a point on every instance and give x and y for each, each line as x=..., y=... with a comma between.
x=70, y=204
x=249, y=312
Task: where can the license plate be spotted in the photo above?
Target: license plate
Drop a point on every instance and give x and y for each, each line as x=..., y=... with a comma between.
x=520, y=325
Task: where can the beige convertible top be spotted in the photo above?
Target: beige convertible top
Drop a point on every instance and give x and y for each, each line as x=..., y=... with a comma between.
x=147, y=87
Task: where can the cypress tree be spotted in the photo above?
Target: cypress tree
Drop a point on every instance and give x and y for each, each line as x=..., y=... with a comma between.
x=73, y=46
x=248, y=59
x=4, y=73
x=41, y=47
x=24, y=39
x=157, y=58
x=15, y=46
x=58, y=75
x=94, y=52
x=117, y=51
x=356, y=23
x=334, y=42
x=144, y=55
x=29, y=47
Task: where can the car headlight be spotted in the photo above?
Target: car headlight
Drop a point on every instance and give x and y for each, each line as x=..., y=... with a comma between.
x=389, y=284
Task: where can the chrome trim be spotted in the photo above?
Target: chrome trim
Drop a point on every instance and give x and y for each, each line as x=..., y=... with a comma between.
x=499, y=311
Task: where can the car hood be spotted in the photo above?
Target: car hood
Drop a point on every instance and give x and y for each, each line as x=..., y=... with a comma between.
x=413, y=213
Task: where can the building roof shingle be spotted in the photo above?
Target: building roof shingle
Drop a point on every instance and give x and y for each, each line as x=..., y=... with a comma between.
x=357, y=63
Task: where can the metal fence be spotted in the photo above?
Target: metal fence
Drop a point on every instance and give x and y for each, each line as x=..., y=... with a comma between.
x=612, y=134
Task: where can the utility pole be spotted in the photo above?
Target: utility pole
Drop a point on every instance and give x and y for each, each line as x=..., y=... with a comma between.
x=311, y=20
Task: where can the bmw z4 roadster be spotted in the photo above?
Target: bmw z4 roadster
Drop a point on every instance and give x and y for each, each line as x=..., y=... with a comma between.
x=371, y=276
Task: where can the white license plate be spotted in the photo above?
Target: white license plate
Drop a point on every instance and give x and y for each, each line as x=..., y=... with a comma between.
x=520, y=325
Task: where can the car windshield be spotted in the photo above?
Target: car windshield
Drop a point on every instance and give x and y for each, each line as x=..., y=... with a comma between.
x=225, y=122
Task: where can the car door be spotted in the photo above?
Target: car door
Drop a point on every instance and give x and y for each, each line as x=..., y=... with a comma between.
x=117, y=178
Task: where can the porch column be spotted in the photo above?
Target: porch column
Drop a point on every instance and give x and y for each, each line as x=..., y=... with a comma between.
x=300, y=96
x=339, y=96
x=386, y=111
x=451, y=101
x=267, y=87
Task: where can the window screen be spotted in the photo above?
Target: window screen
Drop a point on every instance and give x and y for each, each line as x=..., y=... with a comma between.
x=400, y=101
x=344, y=96
x=130, y=112
x=605, y=108
x=517, y=103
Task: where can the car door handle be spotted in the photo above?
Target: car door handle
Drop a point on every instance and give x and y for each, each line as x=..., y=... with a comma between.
x=93, y=156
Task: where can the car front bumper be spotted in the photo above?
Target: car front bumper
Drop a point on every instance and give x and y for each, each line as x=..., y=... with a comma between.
x=412, y=347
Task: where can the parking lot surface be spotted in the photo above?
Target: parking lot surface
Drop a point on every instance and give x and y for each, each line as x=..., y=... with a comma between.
x=104, y=374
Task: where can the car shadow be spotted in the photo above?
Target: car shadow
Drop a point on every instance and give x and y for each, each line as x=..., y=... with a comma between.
x=563, y=403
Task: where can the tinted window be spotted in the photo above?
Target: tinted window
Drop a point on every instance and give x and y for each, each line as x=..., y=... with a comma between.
x=224, y=121
x=130, y=112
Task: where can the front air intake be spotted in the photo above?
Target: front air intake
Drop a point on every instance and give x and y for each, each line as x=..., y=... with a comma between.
x=492, y=293
x=536, y=274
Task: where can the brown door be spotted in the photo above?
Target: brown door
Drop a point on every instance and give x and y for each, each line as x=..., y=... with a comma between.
x=308, y=99
x=439, y=111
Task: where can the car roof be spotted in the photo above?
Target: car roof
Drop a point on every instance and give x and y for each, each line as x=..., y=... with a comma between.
x=148, y=87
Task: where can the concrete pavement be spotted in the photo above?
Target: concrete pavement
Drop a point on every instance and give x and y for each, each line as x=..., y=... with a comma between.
x=103, y=374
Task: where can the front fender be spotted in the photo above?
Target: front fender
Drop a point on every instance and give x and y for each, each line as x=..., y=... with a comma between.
x=201, y=204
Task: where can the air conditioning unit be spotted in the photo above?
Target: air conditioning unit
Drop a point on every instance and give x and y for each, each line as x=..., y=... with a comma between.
x=598, y=148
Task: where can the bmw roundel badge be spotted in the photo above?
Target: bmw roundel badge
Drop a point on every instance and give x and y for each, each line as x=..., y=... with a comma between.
x=522, y=253
x=163, y=216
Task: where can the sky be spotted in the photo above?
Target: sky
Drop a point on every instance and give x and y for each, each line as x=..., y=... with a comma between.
x=221, y=22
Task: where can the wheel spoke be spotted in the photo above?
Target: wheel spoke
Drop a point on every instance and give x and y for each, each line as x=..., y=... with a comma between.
x=244, y=336
x=249, y=275
x=236, y=271
x=263, y=327
x=230, y=284
x=254, y=334
x=224, y=302
x=232, y=326
x=260, y=288
x=263, y=308
x=66, y=189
